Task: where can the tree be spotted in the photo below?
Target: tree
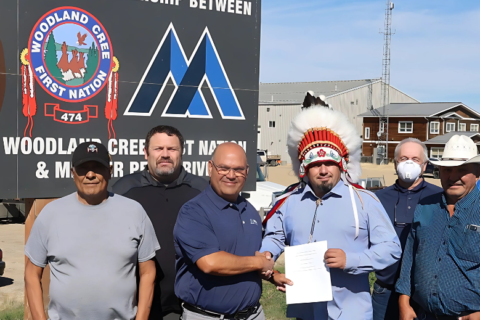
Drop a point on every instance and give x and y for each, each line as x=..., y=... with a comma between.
x=51, y=59
x=92, y=62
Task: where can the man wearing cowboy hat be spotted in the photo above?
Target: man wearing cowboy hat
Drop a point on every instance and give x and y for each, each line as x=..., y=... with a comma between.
x=325, y=151
x=441, y=263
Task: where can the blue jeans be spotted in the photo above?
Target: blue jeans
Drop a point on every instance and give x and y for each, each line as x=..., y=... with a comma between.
x=385, y=303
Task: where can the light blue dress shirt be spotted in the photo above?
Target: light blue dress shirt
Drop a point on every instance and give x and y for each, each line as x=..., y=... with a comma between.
x=376, y=247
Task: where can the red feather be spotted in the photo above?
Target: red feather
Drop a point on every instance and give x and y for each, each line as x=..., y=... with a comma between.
x=25, y=94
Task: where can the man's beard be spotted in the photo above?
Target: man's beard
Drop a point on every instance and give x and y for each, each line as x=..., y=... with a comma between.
x=325, y=187
x=164, y=172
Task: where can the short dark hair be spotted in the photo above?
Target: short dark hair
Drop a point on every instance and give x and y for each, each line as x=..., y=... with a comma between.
x=168, y=130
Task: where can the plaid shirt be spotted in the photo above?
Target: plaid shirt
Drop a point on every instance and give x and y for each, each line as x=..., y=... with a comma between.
x=441, y=261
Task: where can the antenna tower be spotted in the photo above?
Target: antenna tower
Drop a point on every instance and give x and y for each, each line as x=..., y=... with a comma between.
x=383, y=123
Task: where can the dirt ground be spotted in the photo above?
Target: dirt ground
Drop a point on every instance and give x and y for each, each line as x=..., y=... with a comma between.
x=12, y=238
x=12, y=235
x=284, y=175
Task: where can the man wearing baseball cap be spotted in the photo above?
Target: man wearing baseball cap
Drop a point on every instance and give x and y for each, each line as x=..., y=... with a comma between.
x=441, y=262
x=92, y=240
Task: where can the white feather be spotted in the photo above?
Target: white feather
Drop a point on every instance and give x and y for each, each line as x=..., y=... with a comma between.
x=317, y=117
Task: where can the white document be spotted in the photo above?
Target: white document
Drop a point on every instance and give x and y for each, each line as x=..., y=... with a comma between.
x=305, y=266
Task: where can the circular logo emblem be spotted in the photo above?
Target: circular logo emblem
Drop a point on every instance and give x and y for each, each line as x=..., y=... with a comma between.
x=71, y=54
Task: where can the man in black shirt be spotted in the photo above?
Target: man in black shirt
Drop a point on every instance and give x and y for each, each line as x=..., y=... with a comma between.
x=162, y=189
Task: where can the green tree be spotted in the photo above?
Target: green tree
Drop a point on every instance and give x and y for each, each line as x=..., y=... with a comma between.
x=51, y=59
x=92, y=62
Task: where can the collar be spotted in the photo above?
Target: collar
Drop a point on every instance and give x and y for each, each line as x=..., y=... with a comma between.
x=221, y=203
x=151, y=181
x=335, y=192
x=421, y=186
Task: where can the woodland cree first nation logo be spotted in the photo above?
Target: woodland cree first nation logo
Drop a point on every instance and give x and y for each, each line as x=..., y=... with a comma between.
x=70, y=55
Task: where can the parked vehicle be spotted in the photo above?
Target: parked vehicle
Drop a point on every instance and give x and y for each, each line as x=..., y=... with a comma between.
x=373, y=183
x=2, y=263
x=266, y=192
x=432, y=169
x=271, y=160
x=261, y=157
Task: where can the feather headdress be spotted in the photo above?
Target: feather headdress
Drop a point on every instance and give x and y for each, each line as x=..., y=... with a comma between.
x=319, y=133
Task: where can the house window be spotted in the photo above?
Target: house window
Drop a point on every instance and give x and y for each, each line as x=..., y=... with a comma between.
x=474, y=127
x=268, y=109
x=436, y=152
x=367, y=133
x=271, y=124
x=405, y=126
x=434, y=127
x=450, y=127
x=462, y=127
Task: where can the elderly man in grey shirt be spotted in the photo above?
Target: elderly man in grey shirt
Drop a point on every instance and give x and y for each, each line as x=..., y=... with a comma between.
x=92, y=240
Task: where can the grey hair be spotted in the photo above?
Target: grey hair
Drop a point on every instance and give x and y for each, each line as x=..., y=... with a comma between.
x=415, y=140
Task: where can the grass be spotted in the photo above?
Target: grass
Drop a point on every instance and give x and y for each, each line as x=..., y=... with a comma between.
x=11, y=310
x=274, y=303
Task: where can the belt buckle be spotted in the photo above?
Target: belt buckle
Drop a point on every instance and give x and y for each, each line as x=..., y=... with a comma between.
x=241, y=315
x=246, y=313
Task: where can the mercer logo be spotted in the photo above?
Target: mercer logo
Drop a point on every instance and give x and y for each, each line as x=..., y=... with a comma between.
x=169, y=62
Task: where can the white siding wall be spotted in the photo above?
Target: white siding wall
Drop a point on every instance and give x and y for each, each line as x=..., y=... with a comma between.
x=343, y=102
x=275, y=139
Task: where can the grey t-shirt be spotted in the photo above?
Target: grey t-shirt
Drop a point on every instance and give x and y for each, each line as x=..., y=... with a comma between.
x=92, y=252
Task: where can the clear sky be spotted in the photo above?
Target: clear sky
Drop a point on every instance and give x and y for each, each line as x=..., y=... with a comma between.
x=435, y=50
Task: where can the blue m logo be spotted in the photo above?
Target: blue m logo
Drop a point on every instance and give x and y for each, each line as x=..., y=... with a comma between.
x=169, y=62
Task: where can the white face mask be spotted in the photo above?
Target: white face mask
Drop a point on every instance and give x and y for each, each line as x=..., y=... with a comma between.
x=409, y=171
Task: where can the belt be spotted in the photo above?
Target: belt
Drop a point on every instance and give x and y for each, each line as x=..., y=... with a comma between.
x=243, y=314
x=382, y=284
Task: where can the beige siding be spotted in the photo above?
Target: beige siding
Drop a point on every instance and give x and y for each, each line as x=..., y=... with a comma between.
x=275, y=139
x=359, y=98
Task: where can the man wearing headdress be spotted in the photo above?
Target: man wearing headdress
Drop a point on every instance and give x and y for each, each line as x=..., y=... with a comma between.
x=327, y=206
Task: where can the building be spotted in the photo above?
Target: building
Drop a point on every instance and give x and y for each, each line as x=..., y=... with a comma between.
x=279, y=103
x=432, y=122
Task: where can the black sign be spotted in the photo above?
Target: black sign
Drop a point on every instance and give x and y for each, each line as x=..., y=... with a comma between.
x=108, y=71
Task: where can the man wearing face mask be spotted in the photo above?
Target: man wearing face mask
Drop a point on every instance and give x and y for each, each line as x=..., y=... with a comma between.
x=400, y=201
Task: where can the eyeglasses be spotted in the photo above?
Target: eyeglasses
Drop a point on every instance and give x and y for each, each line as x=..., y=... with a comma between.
x=239, y=172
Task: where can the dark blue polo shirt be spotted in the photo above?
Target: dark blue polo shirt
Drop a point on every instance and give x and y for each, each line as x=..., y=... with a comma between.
x=208, y=224
x=405, y=202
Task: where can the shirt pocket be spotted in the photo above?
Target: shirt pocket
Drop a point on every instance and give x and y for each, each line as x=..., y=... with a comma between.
x=470, y=249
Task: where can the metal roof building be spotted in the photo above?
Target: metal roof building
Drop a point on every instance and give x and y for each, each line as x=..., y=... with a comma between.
x=279, y=103
x=428, y=109
x=443, y=139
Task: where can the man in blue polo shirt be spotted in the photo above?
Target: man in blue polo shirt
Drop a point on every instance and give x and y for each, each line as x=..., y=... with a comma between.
x=400, y=201
x=217, y=237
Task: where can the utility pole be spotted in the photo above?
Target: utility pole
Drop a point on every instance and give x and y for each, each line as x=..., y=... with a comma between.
x=385, y=84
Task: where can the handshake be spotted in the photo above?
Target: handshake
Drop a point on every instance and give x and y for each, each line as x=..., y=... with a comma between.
x=265, y=270
x=265, y=264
